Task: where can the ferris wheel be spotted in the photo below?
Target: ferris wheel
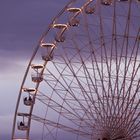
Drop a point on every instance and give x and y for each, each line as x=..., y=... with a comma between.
x=83, y=79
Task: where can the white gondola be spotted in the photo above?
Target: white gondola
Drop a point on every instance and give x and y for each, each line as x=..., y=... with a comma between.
x=74, y=21
x=28, y=101
x=59, y=35
x=47, y=58
x=22, y=126
x=106, y=2
x=37, y=78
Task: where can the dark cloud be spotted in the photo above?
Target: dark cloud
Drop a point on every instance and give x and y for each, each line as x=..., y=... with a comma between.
x=21, y=25
x=23, y=22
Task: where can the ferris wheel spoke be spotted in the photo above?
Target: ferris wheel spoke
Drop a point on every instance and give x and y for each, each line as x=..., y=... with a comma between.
x=114, y=45
x=126, y=67
x=134, y=69
x=104, y=54
x=92, y=59
x=131, y=100
x=124, y=48
x=61, y=109
x=59, y=126
x=79, y=82
x=128, y=117
x=88, y=75
x=95, y=76
x=133, y=131
x=50, y=132
x=78, y=70
x=106, y=59
x=76, y=83
x=134, y=134
x=134, y=101
x=134, y=117
x=69, y=90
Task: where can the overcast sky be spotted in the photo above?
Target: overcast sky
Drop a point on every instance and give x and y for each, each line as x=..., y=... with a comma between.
x=21, y=24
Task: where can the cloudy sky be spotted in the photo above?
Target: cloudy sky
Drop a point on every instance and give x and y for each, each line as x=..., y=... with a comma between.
x=21, y=25
x=22, y=22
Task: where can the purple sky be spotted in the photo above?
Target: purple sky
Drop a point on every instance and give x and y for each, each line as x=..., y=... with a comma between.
x=21, y=25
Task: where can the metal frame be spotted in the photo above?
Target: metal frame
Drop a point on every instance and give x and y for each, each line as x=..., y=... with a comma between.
x=107, y=103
